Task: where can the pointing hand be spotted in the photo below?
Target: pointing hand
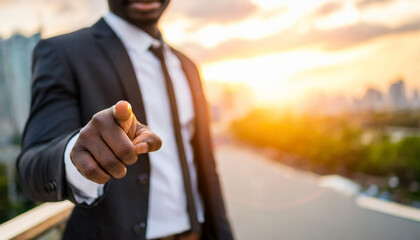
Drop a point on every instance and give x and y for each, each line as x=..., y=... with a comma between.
x=110, y=141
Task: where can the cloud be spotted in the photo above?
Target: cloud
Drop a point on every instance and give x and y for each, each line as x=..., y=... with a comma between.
x=369, y=3
x=215, y=11
x=58, y=16
x=328, y=9
x=290, y=38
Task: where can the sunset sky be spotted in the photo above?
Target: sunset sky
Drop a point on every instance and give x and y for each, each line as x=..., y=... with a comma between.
x=283, y=49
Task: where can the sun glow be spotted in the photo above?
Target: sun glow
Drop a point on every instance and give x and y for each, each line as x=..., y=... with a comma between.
x=273, y=77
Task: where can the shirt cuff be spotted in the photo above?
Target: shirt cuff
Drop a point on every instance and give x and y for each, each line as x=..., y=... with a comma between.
x=84, y=190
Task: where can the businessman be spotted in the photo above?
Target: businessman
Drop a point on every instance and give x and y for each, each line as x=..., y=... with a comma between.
x=140, y=168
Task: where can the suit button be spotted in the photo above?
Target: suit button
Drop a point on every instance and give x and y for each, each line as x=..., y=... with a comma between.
x=143, y=179
x=50, y=187
x=139, y=229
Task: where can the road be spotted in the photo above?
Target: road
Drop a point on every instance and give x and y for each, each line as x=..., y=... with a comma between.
x=269, y=201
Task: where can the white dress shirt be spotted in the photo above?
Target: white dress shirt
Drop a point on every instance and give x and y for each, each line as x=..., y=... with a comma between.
x=167, y=212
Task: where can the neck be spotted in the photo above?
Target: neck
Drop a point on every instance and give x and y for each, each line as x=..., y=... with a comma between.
x=152, y=30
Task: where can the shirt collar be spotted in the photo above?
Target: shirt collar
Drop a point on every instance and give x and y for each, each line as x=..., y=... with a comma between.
x=131, y=36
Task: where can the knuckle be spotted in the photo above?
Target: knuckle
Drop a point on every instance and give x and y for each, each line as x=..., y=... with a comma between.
x=85, y=133
x=142, y=128
x=121, y=173
x=73, y=155
x=103, y=179
x=97, y=119
x=111, y=165
x=154, y=141
x=148, y=136
x=130, y=161
x=155, y=145
x=90, y=171
x=126, y=152
x=76, y=154
x=158, y=142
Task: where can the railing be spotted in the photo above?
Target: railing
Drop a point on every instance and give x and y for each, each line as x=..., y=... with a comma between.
x=46, y=219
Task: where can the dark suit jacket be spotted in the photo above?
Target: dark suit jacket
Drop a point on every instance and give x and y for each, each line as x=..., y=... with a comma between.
x=75, y=76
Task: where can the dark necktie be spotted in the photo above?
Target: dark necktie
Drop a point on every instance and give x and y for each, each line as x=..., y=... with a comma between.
x=192, y=212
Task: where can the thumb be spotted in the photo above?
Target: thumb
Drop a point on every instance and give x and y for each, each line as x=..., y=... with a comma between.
x=124, y=116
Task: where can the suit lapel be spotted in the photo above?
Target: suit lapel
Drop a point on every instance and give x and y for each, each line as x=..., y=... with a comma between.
x=203, y=154
x=113, y=48
x=194, y=82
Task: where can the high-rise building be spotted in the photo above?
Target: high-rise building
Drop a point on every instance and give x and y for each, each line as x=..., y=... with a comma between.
x=397, y=96
x=6, y=128
x=373, y=100
x=415, y=101
x=15, y=83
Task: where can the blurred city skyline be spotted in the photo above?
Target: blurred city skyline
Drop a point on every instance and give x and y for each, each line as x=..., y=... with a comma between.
x=326, y=86
x=284, y=50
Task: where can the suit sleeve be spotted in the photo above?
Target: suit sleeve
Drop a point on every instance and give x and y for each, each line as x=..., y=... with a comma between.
x=54, y=119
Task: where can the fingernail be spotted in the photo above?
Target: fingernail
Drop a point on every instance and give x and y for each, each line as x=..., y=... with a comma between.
x=129, y=107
